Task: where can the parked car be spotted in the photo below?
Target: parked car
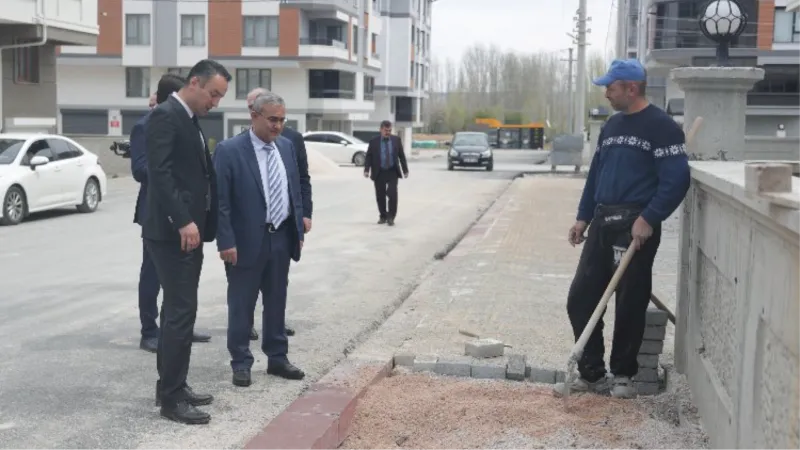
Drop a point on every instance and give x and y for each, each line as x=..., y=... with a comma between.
x=342, y=148
x=40, y=172
x=470, y=149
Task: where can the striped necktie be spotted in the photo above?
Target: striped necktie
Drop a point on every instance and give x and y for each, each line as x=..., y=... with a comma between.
x=276, y=210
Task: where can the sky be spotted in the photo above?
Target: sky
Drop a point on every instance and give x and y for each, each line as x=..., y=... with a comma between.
x=519, y=25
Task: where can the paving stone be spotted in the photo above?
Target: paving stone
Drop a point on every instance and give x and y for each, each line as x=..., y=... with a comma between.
x=425, y=363
x=647, y=361
x=457, y=367
x=486, y=369
x=404, y=359
x=647, y=375
x=656, y=317
x=647, y=388
x=515, y=370
x=538, y=375
x=651, y=347
x=655, y=333
x=484, y=348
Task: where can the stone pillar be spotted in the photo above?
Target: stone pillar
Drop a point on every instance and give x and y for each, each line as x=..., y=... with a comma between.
x=719, y=96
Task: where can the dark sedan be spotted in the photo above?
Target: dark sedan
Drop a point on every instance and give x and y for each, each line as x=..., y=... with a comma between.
x=470, y=149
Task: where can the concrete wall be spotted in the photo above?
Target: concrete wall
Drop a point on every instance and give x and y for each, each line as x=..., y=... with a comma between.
x=737, y=337
x=112, y=164
x=30, y=99
x=772, y=148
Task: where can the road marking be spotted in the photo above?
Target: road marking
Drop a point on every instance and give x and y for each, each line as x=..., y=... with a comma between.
x=7, y=426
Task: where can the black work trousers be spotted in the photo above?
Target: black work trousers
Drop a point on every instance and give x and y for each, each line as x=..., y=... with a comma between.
x=595, y=269
x=386, y=187
x=179, y=273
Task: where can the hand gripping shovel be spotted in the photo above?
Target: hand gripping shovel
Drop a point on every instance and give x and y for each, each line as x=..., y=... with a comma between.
x=577, y=350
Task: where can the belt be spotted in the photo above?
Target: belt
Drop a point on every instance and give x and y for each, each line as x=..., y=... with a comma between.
x=272, y=228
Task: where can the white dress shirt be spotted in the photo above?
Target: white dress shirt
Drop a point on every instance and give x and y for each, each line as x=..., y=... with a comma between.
x=188, y=111
x=261, y=156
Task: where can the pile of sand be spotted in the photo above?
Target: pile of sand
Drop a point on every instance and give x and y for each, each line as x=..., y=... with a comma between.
x=321, y=165
x=434, y=412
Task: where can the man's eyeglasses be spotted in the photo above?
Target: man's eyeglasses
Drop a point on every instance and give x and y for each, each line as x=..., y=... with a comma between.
x=271, y=119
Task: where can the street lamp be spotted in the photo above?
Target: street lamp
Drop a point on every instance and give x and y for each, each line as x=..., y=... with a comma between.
x=722, y=21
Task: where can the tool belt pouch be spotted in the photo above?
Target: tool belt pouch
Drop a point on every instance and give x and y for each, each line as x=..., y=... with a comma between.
x=615, y=227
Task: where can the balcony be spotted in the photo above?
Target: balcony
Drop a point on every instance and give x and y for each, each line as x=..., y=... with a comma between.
x=373, y=61
x=778, y=99
x=320, y=47
x=68, y=22
x=324, y=9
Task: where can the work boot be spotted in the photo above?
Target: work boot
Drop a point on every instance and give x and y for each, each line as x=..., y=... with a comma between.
x=623, y=387
x=579, y=385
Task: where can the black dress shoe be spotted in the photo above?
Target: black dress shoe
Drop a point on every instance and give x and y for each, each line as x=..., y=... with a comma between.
x=241, y=378
x=390, y=222
x=289, y=331
x=253, y=334
x=285, y=370
x=381, y=221
x=197, y=399
x=192, y=397
x=199, y=337
x=149, y=344
x=185, y=412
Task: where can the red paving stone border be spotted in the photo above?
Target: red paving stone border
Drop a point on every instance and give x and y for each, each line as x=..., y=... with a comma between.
x=321, y=418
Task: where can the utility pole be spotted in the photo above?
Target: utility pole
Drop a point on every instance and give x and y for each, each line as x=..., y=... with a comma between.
x=580, y=105
x=621, y=50
x=571, y=108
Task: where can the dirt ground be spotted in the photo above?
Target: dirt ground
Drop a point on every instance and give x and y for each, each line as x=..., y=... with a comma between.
x=409, y=410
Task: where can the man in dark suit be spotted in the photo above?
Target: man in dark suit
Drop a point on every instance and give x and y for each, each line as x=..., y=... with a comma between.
x=149, y=286
x=305, y=179
x=181, y=215
x=260, y=231
x=385, y=164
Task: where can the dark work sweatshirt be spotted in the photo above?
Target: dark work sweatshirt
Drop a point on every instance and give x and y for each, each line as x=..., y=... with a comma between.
x=640, y=159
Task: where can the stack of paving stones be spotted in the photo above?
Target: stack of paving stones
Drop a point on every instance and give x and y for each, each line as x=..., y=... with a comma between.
x=484, y=358
x=649, y=381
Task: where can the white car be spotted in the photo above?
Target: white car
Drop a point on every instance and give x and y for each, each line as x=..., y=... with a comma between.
x=341, y=148
x=40, y=172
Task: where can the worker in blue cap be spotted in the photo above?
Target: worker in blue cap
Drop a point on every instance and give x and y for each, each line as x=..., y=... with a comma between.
x=638, y=176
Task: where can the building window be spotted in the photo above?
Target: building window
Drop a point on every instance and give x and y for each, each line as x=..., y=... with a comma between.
x=137, y=82
x=260, y=31
x=331, y=84
x=369, y=87
x=374, y=44
x=354, y=39
x=249, y=79
x=787, y=26
x=180, y=71
x=193, y=30
x=137, y=29
x=780, y=87
x=26, y=65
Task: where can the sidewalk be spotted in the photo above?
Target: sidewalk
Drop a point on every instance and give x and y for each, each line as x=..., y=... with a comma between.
x=508, y=279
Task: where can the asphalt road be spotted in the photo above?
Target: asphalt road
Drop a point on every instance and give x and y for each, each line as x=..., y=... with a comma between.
x=72, y=374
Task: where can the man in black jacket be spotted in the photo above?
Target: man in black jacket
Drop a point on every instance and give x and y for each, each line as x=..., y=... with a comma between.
x=181, y=215
x=385, y=164
x=149, y=285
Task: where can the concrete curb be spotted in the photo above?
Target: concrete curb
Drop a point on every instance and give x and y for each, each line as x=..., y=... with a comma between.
x=323, y=415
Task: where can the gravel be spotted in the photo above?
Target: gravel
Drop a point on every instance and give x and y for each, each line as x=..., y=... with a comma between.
x=412, y=410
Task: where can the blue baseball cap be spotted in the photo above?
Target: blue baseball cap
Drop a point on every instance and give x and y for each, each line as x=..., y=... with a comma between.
x=622, y=70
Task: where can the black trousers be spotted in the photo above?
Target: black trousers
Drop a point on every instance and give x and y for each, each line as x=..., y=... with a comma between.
x=386, y=186
x=179, y=273
x=149, y=287
x=595, y=269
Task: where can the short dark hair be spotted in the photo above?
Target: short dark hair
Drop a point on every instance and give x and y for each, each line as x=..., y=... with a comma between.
x=206, y=69
x=386, y=124
x=168, y=84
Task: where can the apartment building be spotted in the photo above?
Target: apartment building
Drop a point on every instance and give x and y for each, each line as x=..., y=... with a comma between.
x=771, y=41
x=322, y=56
x=30, y=30
x=403, y=84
